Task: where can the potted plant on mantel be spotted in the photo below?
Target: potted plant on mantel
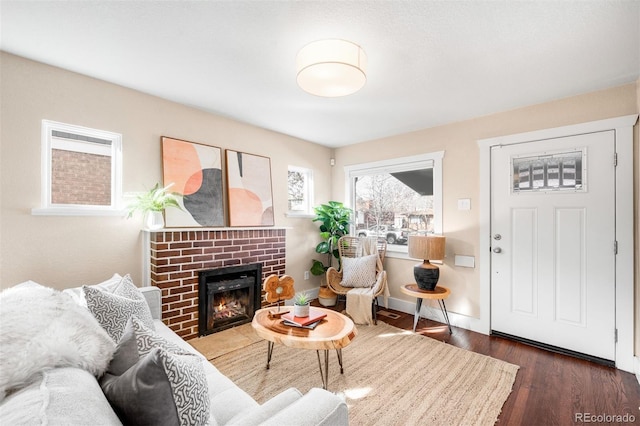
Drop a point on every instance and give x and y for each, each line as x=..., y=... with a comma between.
x=152, y=203
x=335, y=220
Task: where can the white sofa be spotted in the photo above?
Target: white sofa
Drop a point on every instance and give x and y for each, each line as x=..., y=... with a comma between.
x=73, y=396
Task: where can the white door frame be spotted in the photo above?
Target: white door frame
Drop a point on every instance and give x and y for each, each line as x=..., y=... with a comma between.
x=623, y=127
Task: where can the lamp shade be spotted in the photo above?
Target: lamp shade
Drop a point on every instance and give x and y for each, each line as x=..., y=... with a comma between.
x=426, y=247
x=331, y=68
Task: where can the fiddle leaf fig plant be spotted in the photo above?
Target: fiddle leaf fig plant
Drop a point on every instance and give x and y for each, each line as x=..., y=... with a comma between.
x=335, y=220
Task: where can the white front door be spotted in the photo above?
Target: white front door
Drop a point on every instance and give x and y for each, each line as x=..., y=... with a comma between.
x=552, y=242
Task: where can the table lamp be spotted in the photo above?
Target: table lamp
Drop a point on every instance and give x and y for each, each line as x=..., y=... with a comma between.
x=426, y=247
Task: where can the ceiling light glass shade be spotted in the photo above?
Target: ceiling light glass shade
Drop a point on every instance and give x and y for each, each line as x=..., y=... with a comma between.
x=331, y=68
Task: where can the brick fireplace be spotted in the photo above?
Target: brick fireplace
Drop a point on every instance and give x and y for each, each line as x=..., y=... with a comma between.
x=176, y=256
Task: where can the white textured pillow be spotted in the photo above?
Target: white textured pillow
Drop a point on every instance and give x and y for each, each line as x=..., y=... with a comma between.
x=108, y=285
x=113, y=310
x=359, y=271
x=43, y=328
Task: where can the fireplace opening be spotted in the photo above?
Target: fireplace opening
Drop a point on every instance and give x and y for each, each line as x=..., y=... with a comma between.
x=228, y=297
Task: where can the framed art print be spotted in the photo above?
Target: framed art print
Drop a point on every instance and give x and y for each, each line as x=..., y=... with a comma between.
x=196, y=173
x=250, y=198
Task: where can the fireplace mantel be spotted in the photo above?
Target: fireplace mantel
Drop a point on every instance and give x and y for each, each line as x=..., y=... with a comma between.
x=235, y=228
x=173, y=257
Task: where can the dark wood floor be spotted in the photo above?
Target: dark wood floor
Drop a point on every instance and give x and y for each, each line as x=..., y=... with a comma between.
x=550, y=389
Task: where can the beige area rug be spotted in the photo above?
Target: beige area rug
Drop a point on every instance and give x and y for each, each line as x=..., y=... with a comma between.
x=225, y=341
x=391, y=377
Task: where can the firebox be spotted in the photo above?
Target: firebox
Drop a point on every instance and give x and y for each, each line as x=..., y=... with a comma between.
x=228, y=296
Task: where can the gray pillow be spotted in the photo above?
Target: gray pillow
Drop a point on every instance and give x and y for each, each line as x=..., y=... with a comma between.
x=160, y=389
x=137, y=341
x=113, y=310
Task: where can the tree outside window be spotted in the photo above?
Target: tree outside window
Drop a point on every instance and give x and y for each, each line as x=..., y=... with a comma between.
x=393, y=199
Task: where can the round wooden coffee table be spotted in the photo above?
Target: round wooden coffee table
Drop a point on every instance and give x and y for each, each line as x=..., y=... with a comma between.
x=336, y=331
x=439, y=293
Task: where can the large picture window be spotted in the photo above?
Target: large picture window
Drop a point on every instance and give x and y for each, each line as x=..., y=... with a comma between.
x=395, y=198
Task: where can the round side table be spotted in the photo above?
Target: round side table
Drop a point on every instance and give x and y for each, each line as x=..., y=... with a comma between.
x=439, y=293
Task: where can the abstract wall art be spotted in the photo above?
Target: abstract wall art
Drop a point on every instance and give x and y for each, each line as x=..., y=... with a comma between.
x=196, y=173
x=250, y=198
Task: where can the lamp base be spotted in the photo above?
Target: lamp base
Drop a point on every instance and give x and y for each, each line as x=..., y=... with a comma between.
x=426, y=275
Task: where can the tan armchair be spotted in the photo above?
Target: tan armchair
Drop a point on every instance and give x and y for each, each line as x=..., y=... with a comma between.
x=354, y=247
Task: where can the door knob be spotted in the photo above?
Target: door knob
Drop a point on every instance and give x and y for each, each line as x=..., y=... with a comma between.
x=497, y=237
x=497, y=250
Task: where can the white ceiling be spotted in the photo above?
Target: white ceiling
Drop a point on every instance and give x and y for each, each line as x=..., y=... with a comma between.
x=430, y=62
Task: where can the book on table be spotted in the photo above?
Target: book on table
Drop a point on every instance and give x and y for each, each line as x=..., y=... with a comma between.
x=314, y=317
x=308, y=327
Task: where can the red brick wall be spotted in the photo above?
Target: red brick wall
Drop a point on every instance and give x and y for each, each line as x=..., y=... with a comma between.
x=177, y=256
x=80, y=178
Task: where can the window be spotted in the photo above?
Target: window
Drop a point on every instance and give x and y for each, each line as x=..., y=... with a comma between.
x=549, y=172
x=300, y=186
x=81, y=170
x=393, y=199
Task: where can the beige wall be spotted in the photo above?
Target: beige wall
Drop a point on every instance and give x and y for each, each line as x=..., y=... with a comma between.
x=69, y=251
x=461, y=177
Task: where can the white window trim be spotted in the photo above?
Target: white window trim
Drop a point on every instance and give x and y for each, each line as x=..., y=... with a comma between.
x=48, y=142
x=308, y=212
x=432, y=159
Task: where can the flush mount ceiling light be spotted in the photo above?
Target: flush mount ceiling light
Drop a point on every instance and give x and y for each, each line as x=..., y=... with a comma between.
x=331, y=68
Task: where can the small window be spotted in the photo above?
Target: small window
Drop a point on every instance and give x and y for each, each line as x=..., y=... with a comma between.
x=300, y=186
x=549, y=172
x=81, y=170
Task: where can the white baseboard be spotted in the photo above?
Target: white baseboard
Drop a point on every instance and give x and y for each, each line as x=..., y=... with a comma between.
x=431, y=311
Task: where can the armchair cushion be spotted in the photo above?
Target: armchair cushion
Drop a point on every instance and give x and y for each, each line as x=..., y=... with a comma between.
x=359, y=271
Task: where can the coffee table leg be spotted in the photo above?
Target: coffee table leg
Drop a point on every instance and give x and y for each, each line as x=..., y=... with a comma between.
x=339, y=352
x=325, y=374
x=416, y=316
x=269, y=352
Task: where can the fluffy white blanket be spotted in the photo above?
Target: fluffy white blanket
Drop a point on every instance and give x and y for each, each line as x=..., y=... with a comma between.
x=41, y=328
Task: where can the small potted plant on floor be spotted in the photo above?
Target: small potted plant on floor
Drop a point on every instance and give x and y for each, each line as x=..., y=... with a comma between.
x=301, y=303
x=152, y=204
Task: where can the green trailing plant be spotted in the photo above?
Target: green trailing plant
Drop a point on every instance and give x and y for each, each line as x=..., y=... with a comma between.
x=301, y=299
x=156, y=199
x=335, y=220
